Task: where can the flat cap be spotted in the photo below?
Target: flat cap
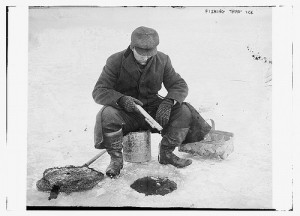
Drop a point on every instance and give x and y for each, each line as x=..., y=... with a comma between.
x=145, y=40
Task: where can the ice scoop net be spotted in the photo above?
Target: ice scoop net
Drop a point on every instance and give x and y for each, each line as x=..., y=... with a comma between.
x=71, y=178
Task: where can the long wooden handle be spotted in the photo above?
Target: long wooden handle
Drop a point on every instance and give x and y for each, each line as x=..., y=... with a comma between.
x=94, y=158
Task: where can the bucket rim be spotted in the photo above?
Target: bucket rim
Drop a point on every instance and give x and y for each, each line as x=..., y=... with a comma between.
x=135, y=132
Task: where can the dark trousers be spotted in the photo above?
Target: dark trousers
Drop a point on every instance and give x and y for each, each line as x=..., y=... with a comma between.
x=113, y=119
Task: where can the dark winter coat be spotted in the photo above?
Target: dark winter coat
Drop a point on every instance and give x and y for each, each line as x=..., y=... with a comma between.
x=122, y=76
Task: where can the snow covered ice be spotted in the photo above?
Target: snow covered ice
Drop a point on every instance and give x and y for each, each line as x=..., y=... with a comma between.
x=217, y=55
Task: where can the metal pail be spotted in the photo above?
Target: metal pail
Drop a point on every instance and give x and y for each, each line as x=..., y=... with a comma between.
x=137, y=147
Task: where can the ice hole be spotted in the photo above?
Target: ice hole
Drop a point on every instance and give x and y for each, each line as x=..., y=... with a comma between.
x=154, y=186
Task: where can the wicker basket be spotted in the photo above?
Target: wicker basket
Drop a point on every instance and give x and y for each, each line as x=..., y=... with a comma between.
x=216, y=143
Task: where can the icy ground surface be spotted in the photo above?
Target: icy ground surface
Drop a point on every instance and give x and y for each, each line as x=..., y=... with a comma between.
x=215, y=53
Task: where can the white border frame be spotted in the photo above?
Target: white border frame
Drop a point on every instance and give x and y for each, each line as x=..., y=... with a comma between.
x=285, y=153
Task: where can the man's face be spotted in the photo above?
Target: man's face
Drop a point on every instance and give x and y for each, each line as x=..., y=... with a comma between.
x=140, y=58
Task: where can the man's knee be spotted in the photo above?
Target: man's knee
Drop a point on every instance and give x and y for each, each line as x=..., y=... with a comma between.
x=110, y=119
x=186, y=112
x=181, y=117
x=183, y=112
x=108, y=114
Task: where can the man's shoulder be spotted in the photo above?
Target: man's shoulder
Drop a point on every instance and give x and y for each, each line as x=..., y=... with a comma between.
x=162, y=57
x=116, y=56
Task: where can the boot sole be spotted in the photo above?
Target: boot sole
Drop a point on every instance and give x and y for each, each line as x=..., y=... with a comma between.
x=111, y=175
x=189, y=162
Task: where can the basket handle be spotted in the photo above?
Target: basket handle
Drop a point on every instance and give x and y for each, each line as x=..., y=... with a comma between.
x=94, y=158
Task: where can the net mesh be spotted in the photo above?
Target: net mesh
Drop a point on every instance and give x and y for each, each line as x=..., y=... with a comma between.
x=69, y=179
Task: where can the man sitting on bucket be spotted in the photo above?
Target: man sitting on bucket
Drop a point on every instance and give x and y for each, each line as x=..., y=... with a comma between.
x=134, y=76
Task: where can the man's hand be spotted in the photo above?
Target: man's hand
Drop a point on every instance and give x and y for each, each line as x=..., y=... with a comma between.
x=128, y=103
x=164, y=111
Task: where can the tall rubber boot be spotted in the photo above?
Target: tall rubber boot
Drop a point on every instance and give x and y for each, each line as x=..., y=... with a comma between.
x=113, y=143
x=173, y=138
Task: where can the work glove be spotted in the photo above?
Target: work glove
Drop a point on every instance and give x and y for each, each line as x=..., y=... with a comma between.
x=128, y=103
x=164, y=111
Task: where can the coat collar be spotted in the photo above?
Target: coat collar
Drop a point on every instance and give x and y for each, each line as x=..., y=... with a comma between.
x=131, y=66
x=129, y=62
